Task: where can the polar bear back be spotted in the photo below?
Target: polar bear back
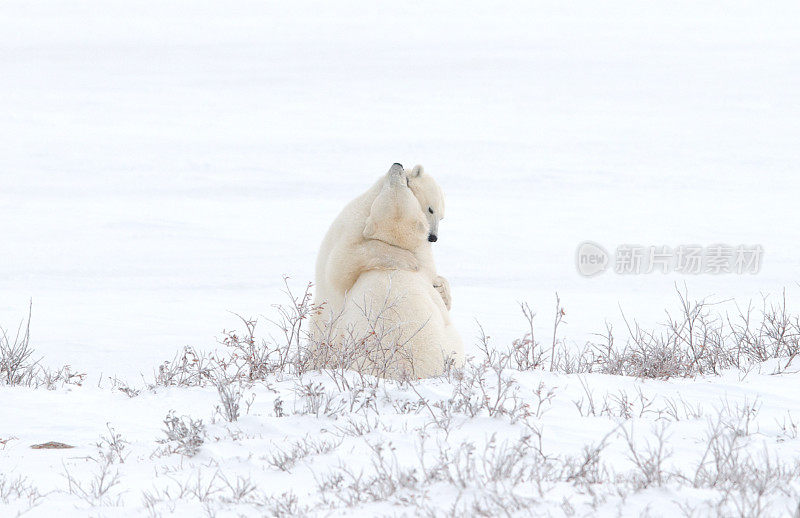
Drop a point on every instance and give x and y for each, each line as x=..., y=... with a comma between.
x=345, y=231
x=409, y=316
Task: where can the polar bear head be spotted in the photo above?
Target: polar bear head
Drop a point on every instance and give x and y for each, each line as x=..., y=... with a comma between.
x=396, y=215
x=430, y=199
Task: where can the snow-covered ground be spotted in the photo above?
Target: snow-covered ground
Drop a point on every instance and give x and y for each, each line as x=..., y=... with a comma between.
x=164, y=164
x=729, y=449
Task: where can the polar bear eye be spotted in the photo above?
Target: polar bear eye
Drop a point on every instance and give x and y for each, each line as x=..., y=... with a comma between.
x=430, y=210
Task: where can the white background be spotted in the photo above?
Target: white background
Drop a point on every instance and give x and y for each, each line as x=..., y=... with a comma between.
x=163, y=163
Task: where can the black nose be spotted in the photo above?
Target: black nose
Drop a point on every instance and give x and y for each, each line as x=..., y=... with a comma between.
x=432, y=238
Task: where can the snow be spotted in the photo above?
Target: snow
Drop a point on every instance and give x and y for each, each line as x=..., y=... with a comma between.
x=242, y=450
x=164, y=164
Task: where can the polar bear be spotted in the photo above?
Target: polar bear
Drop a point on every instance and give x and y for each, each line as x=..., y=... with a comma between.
x=346, y=252
x=394, y=322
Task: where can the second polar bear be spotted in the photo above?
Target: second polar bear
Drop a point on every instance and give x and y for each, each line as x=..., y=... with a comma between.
x=346, y=252
x=395, y=322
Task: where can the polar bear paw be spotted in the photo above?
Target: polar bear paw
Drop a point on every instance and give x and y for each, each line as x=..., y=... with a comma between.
x=383, y=256
x=403, y=260
x=443, y=287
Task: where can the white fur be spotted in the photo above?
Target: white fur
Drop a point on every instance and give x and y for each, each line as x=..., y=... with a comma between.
x=414, y=336
x=393, y=313
x=346, y=253
x=394, y=321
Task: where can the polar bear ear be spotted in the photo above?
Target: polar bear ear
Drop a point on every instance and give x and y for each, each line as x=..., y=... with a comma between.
x=416, y=172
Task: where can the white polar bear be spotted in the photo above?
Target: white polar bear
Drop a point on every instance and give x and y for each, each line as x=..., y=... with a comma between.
x=394, y=323
x=346, y=252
